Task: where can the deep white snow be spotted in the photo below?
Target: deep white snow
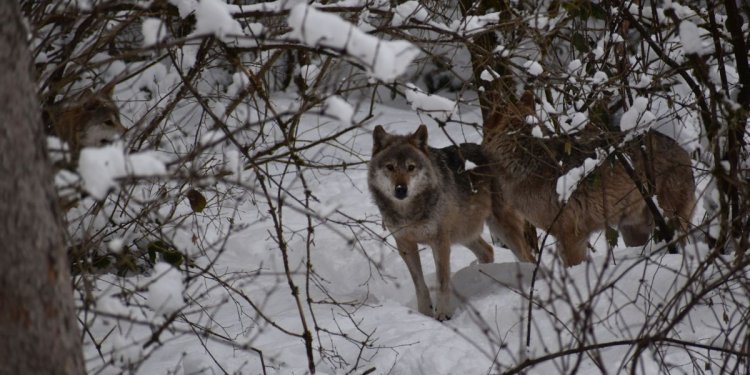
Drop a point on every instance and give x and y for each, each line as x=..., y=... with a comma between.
x=489, y=323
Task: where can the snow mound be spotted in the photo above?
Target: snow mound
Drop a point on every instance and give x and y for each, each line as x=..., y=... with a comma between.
x=480, y=280
x=165, y=292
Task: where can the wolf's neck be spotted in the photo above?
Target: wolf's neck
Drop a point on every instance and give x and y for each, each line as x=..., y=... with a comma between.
x=419, y=207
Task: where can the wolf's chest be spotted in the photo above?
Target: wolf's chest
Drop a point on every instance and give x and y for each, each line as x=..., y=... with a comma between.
x=421, y=231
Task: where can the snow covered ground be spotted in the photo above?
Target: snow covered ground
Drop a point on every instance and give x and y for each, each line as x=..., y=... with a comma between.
x=225, y=325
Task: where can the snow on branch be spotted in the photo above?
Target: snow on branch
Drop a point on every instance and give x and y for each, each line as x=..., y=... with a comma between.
x=435, y=106
x=154, y=31
x=475, y=24
x=637, y=119
x=101, y=167
x=416, y=12
x=533, y=67
x=266, y=7
x=338, y=108
x=695, y=40
x=569, y=120
x=383, y=59
x=470, y=25
x=466, y=26
x=570, y=181
x=410, y=10
x=214, y=17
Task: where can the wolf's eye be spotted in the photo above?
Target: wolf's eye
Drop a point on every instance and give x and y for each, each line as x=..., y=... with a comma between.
x=109, y=123
x=411, y=167
x=390, y=167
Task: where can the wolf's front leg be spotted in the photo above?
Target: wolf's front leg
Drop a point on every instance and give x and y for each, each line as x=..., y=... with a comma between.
x=441, y=250
x=410, y=253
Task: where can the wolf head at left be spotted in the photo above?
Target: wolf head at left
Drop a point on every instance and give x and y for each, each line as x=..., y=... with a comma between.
x=88, y=120
x=400, y=167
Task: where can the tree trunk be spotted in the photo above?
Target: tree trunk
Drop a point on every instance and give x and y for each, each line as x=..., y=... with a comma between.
x=736, y=132
x=481, y=50
x=37, y=315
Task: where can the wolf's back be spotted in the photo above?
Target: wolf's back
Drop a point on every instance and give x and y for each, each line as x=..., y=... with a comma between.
x=451, y=163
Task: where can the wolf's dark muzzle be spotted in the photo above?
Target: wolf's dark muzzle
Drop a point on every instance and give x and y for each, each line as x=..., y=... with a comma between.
x=400, y=191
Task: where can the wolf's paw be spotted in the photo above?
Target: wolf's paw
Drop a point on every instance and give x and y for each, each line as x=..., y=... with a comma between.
x=442, y=316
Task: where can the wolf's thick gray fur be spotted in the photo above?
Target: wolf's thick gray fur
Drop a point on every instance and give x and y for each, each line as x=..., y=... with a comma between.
x=426, y=197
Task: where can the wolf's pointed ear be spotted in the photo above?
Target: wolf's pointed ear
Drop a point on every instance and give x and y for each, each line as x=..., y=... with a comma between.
x=419, y=138
x=378, y=139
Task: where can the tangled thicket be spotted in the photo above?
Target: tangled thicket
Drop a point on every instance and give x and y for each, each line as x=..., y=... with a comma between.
x=247, y=113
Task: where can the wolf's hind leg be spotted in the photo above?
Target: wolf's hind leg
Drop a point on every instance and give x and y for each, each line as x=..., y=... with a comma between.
x=410, y=254
x=635, y=235
x=482, y=250
x=507, y=225
x=678, y=210
x=572, y=248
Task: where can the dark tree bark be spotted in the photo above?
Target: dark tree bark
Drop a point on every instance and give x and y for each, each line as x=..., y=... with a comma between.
x=500, y=90
x=736, y=134
x=38, y=329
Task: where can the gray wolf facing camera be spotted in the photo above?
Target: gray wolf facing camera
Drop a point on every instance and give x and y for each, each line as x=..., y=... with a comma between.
x=426, y=196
